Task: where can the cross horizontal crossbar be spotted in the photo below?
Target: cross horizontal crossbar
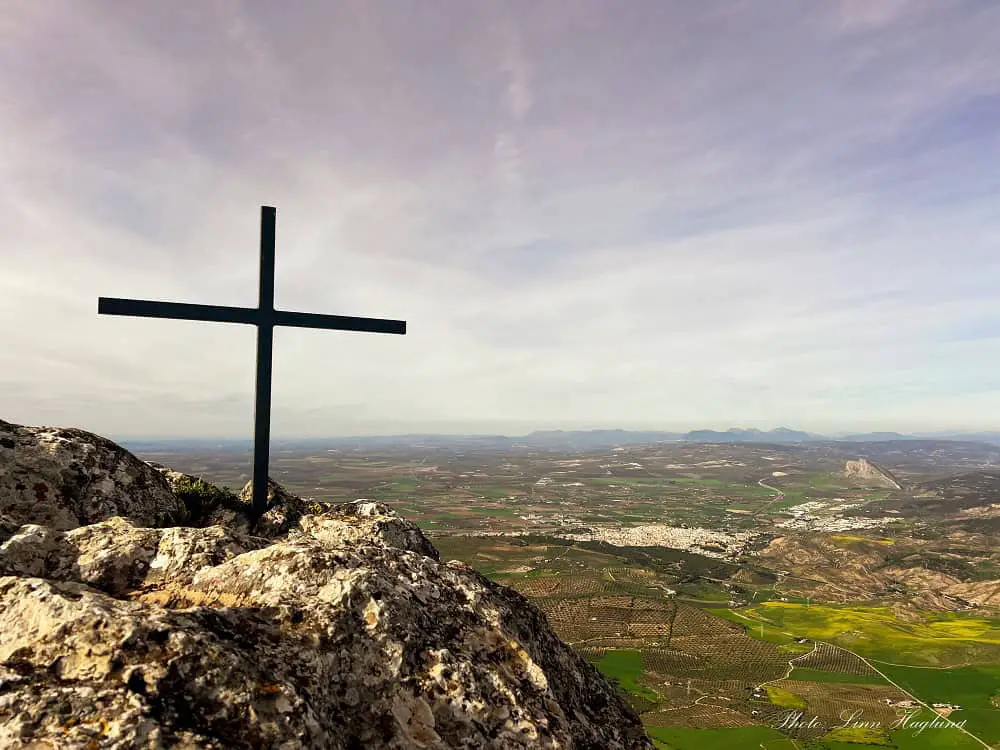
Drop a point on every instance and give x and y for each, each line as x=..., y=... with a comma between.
x=249, y=315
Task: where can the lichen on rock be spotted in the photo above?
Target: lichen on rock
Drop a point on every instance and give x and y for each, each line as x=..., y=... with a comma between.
x=338, y=627
x=64, y=478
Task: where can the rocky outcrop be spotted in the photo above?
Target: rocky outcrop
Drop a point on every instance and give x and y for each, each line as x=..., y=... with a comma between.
x=64, y=478
x=365, y=523
x=343, y=525
x=866, y=472
x=208, y=505
x=339, y=628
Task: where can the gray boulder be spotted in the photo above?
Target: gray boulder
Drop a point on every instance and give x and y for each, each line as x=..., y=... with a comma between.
x=64, y=478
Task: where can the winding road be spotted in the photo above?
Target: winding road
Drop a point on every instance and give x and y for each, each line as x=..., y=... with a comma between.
x=779, y=496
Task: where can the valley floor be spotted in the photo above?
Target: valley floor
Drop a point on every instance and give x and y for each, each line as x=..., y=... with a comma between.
x=740, y=595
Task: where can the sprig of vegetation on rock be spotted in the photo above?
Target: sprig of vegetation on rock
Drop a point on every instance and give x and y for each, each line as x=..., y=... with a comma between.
x=201, y=498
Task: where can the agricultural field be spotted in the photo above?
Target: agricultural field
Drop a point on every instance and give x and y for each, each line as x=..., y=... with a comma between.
x=932, y=639
x=686, y=667
x=739, y=595
x=719, y=739
x=975, y=688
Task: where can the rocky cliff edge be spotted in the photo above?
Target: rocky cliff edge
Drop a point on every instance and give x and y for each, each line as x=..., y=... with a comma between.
x=139, y=610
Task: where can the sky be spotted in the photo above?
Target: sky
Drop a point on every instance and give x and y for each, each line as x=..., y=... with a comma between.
x=657, y=214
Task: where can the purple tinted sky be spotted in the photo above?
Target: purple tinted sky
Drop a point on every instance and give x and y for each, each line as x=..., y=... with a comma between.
x=657, y=214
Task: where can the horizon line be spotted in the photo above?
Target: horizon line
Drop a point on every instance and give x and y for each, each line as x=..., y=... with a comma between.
x=831, y=434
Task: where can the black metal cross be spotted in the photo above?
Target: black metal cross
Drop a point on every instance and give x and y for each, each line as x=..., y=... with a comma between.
x=265, y=317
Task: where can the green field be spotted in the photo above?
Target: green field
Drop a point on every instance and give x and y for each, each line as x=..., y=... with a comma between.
x=854, y=736
x=701, y=482
x=938, y=639
x=785, y=699
x=770, y=632
x=669, y=738
x=936, y=738
x=806, y=674
x=625, y=667
x=972, y=688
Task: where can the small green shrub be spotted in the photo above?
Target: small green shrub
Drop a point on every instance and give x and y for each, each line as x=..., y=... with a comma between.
x=200, y=498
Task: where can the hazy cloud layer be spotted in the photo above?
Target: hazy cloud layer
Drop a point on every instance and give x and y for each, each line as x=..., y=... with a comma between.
x=662, y=214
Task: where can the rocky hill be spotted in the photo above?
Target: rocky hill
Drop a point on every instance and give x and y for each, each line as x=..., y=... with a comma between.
x=866, y=472
x=138, y=609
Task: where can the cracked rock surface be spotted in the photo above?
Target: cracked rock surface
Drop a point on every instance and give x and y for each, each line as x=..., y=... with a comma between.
x=64, y=478
x=334, y=627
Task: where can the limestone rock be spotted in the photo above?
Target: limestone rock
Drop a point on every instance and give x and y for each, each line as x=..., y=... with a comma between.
x=339, y=628
x=64, y=478
x=359, y=523
x=116, y=557
x=284, y=510
x=867, y=472
x=297, y=644
x=173, y=477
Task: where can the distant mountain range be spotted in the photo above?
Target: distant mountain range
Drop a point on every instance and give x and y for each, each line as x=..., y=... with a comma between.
x=737, y=435
x=583, y=439
x=543, y=440
x=980, y=437
x=877, y=437
x=785, y=435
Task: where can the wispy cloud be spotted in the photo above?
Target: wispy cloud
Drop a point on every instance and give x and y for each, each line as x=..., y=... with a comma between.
x=672, y=214
x=516, y=102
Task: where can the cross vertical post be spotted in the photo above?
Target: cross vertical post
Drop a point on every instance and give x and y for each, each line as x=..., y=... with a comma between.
x=265, y=346
x=265, y=317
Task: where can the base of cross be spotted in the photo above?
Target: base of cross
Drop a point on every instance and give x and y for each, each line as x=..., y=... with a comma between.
x=280, y=509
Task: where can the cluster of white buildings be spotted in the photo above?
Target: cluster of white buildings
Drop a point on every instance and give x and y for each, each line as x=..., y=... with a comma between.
x=719, y=544
x=809, y=516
